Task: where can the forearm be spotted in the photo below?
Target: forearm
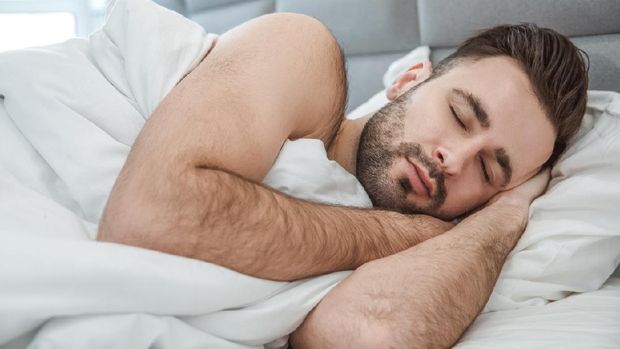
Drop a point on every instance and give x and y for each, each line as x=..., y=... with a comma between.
x=423, y=297
x=221, y=218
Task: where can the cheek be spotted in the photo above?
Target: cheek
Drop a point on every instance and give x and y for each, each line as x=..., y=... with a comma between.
x=464, y=194
x=425, y=128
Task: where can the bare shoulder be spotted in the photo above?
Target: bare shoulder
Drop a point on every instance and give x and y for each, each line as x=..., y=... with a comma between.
x=273, y=78
x=299, y=64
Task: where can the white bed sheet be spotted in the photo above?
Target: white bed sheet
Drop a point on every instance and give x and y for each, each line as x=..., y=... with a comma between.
x=587, y=320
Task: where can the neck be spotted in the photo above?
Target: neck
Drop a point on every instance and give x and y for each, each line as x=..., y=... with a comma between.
x=345, y=145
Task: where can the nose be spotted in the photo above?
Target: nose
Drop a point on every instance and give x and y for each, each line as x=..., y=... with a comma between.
x=453, y=159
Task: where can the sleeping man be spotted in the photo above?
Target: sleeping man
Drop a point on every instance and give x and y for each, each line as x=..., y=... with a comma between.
x=470, y=139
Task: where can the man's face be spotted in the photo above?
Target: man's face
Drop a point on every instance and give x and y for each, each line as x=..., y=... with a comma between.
x=455, y=141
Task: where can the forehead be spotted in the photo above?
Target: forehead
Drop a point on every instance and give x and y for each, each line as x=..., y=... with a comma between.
x=517, y=120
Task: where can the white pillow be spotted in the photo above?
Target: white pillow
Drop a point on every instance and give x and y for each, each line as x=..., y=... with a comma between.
x=572, y=242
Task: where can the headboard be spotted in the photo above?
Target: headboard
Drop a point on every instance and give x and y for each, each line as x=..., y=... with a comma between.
x=374, y=33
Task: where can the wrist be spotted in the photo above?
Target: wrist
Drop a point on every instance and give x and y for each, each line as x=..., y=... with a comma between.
x=384, y=235
x=513, y=209
x=516, y=202
x=396, y=232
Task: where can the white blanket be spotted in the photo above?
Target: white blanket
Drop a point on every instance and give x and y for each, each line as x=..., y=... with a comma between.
x=68, y=116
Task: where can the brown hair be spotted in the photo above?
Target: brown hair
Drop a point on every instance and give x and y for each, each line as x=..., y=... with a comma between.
x=557, y=69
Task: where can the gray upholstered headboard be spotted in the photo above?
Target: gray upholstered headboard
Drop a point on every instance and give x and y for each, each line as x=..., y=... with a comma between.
x=373, y=33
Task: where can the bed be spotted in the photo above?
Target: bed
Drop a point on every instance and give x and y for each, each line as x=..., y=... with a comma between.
x=65, y=105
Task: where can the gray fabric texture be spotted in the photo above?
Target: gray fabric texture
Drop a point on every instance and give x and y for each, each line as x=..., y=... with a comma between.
x=360, y=69
x=604, y=53
x=375, y=32
x=221, y=18
x=374, y=27
x=448, y=22
x=194, y=6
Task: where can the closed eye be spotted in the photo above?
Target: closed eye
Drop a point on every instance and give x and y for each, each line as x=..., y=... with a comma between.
x=456, y=117
x=484, y=171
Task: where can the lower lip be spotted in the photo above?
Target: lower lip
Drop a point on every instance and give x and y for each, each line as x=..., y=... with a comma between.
x=416, y=182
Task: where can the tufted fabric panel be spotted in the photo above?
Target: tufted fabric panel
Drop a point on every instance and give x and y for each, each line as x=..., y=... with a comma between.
x=375, y=32
x=570, y=17
x=219, y=19
x=376, y=27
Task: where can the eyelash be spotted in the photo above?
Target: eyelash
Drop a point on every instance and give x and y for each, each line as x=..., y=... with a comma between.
x=484, y=171
x=457, y=119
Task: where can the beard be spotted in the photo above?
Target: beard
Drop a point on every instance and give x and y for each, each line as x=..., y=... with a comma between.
x=381, y=145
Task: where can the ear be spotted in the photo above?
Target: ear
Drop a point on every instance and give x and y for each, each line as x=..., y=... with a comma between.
x=413, y=76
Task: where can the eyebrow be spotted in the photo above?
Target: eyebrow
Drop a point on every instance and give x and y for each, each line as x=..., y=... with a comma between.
x=504, y=162
x=474, y=103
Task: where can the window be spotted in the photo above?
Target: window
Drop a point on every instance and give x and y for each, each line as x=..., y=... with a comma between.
x=35, y=29
x=25, y=23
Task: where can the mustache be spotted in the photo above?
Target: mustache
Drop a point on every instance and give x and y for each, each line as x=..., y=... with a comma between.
x=415, y=151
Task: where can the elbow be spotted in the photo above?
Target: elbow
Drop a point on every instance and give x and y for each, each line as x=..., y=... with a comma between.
x=147, y=212
x=117, y=226
x=345, y=319
x=133, y=224
x=342, y=333
x=132, y=233
x=375, y=337
x=140, y=224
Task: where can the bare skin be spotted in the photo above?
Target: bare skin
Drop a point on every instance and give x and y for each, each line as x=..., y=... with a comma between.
x=458, y=143
x=218, y=133
x=427, y=295
x=192, y=178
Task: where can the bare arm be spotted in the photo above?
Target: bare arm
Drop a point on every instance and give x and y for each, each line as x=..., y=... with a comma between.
x=425, y=296
x=260, y=232
x=189, y=186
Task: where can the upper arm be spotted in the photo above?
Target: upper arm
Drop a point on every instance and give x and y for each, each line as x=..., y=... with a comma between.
x=275, y=77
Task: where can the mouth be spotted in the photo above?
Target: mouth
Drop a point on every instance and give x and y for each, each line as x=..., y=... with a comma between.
x=419, y=179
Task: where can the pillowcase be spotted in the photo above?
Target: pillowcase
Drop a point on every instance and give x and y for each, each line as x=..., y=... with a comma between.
x=572, y=241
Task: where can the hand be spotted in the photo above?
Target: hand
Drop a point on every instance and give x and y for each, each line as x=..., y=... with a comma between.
x=526, y=192
x=516, y=201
